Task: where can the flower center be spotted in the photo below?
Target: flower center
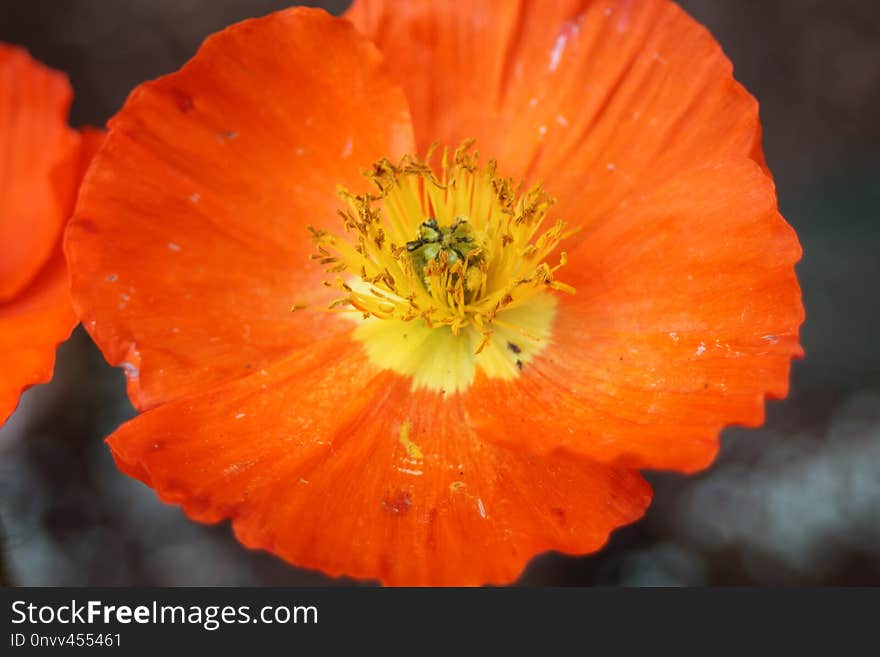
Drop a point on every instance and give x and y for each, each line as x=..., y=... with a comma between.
x=447, y=273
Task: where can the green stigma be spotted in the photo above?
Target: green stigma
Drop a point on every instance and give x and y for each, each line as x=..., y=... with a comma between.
x=444, y=244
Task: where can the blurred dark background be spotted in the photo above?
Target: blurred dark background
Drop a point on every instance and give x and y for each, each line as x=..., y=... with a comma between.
x=796, y=502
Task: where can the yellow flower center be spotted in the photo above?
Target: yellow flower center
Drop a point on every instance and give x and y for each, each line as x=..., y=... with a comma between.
x=447, y=273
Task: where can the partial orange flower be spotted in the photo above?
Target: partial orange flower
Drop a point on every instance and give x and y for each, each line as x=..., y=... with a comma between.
x=42, y=161
x=394, y=361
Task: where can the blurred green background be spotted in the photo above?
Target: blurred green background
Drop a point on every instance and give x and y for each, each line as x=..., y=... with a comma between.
x=796, y=502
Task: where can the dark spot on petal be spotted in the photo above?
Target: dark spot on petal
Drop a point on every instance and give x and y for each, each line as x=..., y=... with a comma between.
x=183, y=100
x=87, y=226
x=397, y=503
x=518, y=364
x=559, y=513
x=514, y=347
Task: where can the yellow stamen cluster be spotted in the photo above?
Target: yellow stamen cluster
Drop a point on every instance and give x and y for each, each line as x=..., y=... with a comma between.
x=455, y=250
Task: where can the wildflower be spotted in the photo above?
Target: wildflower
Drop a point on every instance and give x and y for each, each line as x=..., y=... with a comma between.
x=476, y=361
x=41, y=163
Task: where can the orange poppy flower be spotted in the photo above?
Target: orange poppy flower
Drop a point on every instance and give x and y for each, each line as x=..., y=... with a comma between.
x=473, y=368
x=41, y=163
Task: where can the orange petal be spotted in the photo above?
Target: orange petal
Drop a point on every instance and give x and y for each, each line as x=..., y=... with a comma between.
x=39, y=177
x=686, y=317
x=31, y=327
x=39, y=318
x=34, y=140
x=189, y=245
x=594, y=98
x=331, y=465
